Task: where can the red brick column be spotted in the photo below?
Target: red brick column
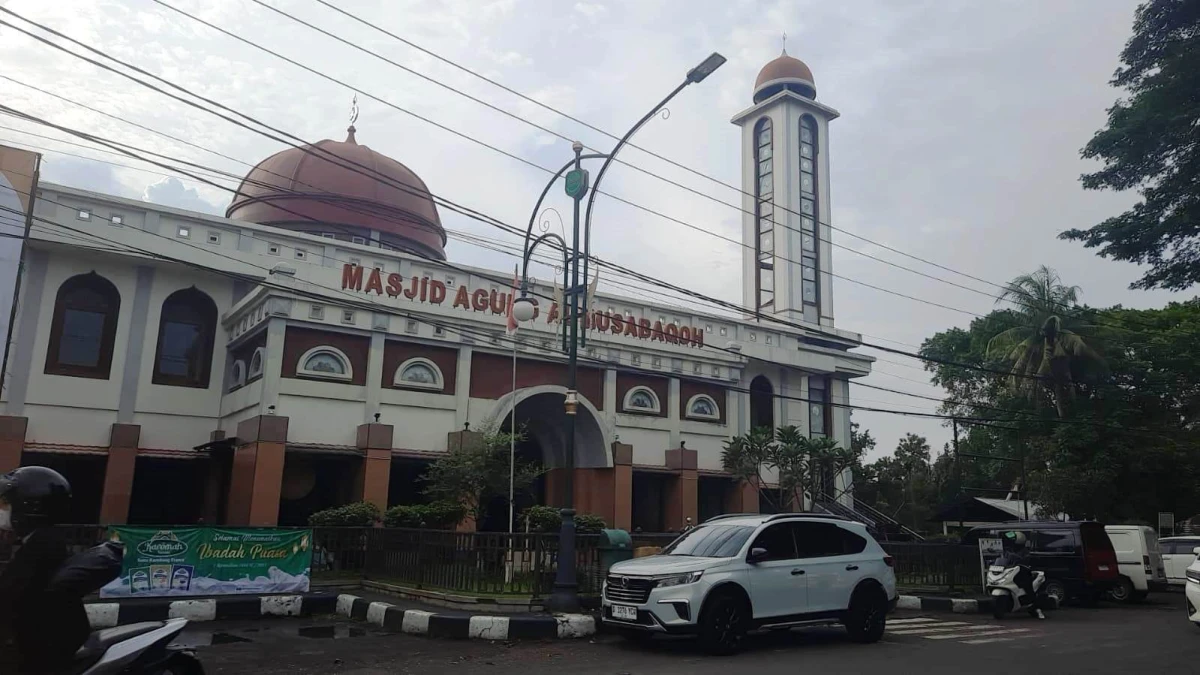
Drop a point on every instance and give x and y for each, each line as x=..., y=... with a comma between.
x=622, y=487
x=257, y=474
x=742, y=498
x=118, y=475
x=375, y=440
x=12, y=441
x=682, y=498
x=454, y=441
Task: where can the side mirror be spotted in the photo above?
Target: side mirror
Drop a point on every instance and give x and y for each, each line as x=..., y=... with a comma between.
x=757, y=555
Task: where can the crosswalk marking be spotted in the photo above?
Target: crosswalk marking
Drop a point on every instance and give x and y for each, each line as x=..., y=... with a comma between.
x=953, y=636
x=999, y=639
x=942, y=629
x=893, y=622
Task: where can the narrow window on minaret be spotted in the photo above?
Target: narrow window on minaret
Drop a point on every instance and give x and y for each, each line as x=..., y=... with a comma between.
x=810, y=269
x=764, y=241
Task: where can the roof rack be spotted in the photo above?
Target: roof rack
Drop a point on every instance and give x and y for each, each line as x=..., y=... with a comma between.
x=733, y=515
x=823, y=516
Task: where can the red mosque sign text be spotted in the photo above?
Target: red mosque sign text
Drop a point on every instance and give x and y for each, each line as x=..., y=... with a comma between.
x=435, y=292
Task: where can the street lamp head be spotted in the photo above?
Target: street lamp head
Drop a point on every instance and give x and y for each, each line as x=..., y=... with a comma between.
x=706, y=67
x=524, y=308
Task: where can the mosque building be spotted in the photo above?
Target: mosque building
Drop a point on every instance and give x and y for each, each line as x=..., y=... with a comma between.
x=314, y=347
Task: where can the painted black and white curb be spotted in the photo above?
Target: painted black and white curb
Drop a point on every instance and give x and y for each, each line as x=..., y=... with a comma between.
x=109, y=614
x=956, y=605
x=465, y=626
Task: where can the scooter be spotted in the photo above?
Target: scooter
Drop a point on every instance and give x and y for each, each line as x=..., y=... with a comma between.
x=136, y=649
x=1007, y=596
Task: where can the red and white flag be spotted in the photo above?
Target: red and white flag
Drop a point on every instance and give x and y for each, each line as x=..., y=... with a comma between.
x=512, y=320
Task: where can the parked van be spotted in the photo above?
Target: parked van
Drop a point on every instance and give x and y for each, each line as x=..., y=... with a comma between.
x=1139, y=561
x=1077, y=556
x=1178, y=554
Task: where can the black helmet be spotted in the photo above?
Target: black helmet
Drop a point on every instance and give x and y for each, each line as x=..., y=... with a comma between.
x=39, y=497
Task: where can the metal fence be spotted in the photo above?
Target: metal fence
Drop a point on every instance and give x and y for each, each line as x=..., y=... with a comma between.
x=951, y=567
x=481, y=563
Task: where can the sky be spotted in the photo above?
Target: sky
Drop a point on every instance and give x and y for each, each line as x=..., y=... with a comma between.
x=958, y=141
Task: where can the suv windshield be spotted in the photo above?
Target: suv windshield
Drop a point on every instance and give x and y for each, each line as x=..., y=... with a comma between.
x=711, y=541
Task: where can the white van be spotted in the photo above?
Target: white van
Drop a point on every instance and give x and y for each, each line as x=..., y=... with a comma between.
x=1139, y=561
x=1178, y=554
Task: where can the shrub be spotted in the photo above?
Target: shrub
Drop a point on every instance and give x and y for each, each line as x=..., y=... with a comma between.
x=547, y=519
x=435, y=516
x=358, y=514
x=586, y=523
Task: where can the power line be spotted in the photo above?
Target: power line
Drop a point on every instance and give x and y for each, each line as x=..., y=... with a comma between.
x=356, y=301
x=469, y=212
x=535, y=165
x=1004, y=288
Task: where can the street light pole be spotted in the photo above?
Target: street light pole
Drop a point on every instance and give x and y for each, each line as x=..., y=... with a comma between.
x=565, y=596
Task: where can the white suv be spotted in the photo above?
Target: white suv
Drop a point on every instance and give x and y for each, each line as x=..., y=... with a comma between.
x=740, y=572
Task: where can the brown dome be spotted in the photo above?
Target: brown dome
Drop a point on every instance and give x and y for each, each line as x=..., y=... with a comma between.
x=351, y=193
x=784, y=72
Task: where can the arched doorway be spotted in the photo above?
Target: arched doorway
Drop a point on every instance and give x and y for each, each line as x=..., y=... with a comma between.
x=762, y=403
x=541, y=416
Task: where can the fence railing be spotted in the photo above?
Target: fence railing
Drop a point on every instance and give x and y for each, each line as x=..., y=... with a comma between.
x=928, y=565
x=524, y=564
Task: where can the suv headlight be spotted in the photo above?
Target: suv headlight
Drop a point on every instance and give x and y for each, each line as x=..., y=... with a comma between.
x=1193, y=576
x=678, y=579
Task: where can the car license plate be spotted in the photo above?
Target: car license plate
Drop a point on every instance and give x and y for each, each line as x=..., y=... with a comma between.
x=623, y=613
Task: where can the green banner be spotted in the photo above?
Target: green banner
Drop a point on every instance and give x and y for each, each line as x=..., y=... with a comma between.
x=181, y=561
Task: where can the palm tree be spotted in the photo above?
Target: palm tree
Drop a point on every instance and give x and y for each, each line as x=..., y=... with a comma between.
x=1048, y=347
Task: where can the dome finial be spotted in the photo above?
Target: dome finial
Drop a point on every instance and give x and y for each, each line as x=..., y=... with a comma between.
x=353, y=118
x=784, y=51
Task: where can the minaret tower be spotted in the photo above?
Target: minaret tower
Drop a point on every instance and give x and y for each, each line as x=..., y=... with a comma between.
x=786, y=263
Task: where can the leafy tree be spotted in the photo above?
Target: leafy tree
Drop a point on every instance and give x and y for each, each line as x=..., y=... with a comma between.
x=1046, y=349
x=1150, y=144
x=796, y=459
x=473, y=474
x=861, y=442
x=1131, y=445
x=358, y=514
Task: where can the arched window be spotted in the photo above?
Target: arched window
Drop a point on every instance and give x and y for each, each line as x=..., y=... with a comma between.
x=762, y=403
x=186, y=330
x=237, y=374
x=84, y=327
x=641, y=400
x=764, y=215
x=419, y=373
x=256, y=363
x=327, y=363
x=703, y=407
x=809, y=218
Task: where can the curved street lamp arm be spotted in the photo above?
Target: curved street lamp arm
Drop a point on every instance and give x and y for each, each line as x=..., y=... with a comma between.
x=562, y=244
x=587, y=219
x=538, y=206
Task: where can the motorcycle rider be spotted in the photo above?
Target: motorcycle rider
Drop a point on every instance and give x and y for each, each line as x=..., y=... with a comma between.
x=1016, y=553
x=40, y=630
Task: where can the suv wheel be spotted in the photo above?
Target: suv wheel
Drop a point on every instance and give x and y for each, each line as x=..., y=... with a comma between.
x=724, y=623
x=867, y=616
x=1055, y=589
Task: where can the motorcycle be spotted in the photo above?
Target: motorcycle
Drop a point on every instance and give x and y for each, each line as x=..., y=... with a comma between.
x=1008, y=597
x=136, y=649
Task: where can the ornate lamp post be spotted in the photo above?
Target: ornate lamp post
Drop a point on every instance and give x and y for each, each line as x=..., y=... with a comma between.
x=565, y=597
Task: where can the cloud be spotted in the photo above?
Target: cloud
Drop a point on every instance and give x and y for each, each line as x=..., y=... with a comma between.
x=958, y=142
x=171, y=192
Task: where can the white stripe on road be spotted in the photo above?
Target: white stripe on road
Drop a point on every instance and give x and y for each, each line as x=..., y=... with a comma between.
x=893, y=622
x=1000, y=639
x=957, y=636
x=941, y=629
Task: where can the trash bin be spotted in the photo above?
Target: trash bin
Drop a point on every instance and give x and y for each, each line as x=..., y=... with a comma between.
x=615, y=546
